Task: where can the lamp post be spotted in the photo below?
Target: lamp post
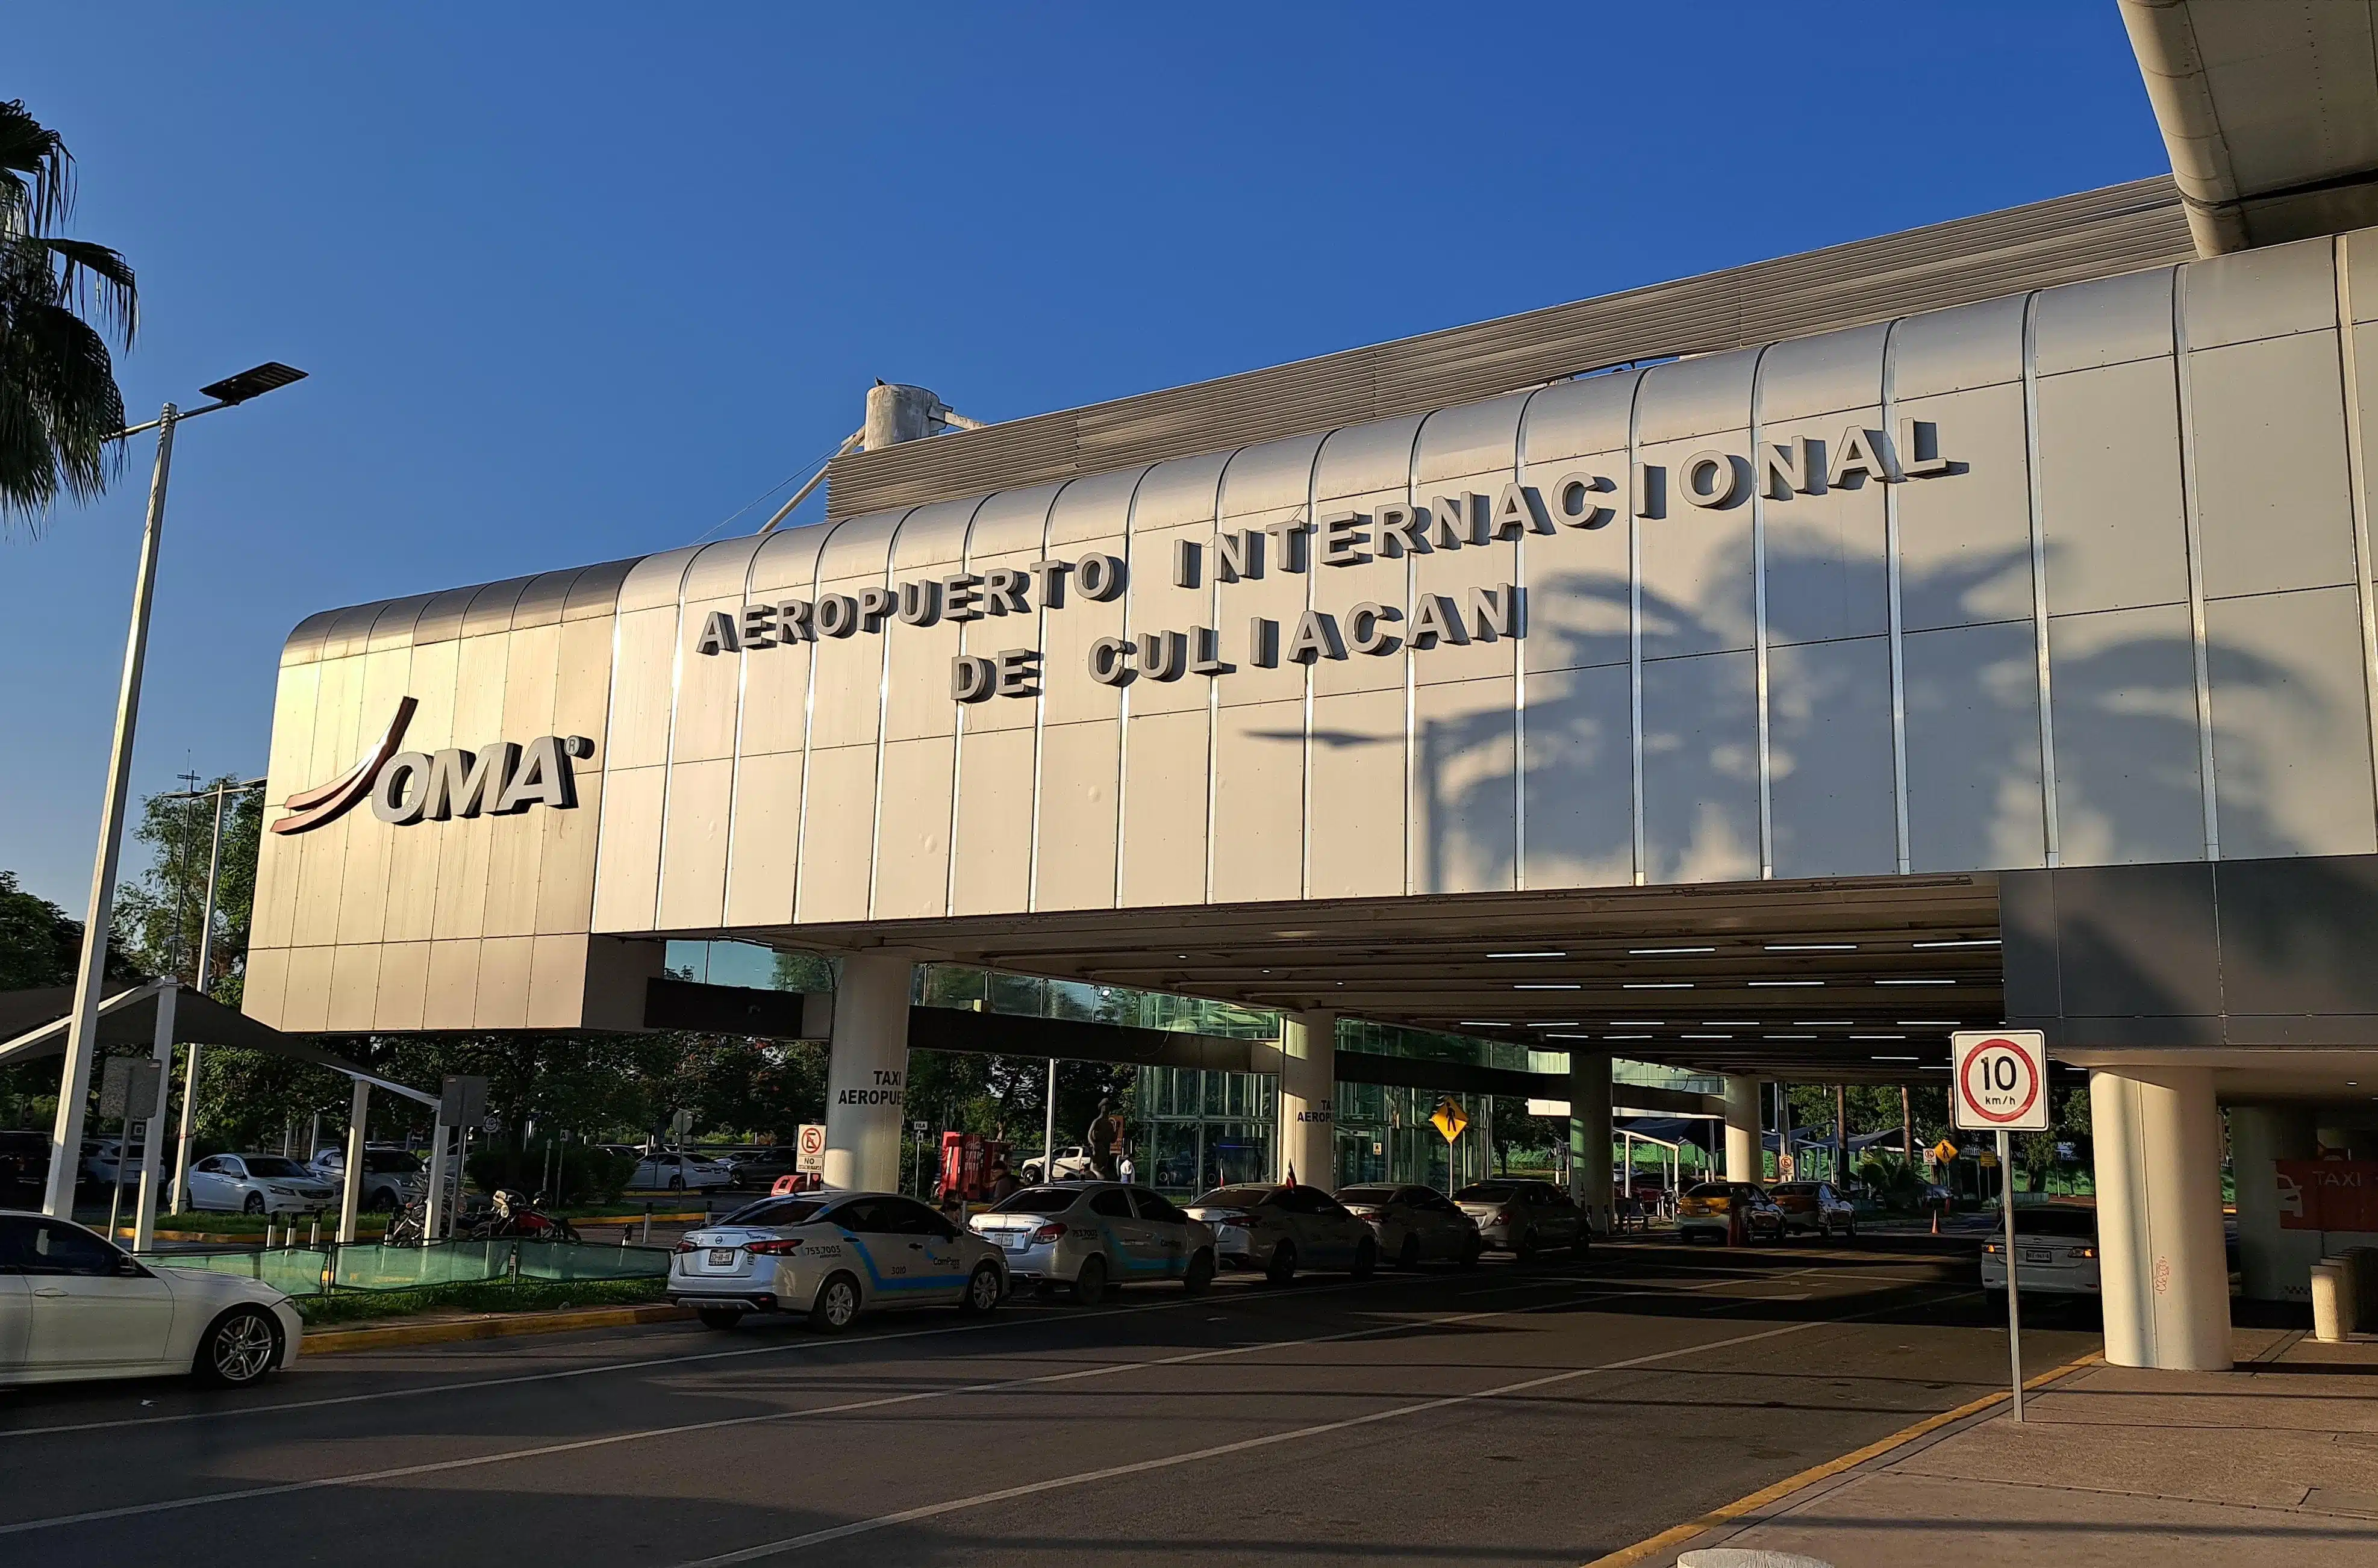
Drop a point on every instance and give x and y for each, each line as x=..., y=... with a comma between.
x=82, y=1027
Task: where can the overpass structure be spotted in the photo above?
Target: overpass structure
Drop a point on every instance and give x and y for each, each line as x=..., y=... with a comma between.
x=1766, y=674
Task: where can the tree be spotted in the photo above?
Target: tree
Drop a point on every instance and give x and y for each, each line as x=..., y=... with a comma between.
x=59, y=403
x=159, y=914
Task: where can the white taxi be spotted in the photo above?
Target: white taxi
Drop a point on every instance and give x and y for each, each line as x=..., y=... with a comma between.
x=832, y=1255
x=1280, y=1228
x=1097, y=1234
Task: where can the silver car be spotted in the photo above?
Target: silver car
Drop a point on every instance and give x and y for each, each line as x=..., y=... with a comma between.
x=259, y=1184
x=1525, y=1217
x=1281, y=1229
x=832, y=1255
x=1094, y=1235
x=1415, y=1225
x=2056, y=1253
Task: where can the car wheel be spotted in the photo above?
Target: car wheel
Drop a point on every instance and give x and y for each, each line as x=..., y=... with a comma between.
x=984, y=1287
x=1471, y=1250
x=238, y=1348
x=1583, y=1246
x=254, y=1205
x=1282, y=1267
x=1090, y=1284
x=836, y=1307
x=1407, y=1256
x=676, y=1183
x=1200, y=1276
x=384, y=1201
x=1366, y=1258
x=720, y=1317
x=1849, y=1228
x=1525, y=1247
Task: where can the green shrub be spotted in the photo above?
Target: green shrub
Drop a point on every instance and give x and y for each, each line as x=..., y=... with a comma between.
x=587, y=1174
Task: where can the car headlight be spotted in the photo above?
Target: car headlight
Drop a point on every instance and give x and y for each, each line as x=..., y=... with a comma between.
x=284, y=1191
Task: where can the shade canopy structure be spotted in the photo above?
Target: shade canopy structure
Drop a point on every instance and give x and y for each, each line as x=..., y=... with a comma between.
x=33, y=1024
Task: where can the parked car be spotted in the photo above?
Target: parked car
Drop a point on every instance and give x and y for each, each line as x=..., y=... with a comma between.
x=1708, y=1209
x=2056, y=1252
x=832, y=1255
x=1526, y=1217
x=1280, y=1229
x=1102, y=1232
x=257, y=1184
x=760, y=1168
x=680, y=1172
x=74, y=1305
x=1415, y=1225
x=1072, y=1165
x=393, y=1177
x=101, y=1157
x=1814, y=1207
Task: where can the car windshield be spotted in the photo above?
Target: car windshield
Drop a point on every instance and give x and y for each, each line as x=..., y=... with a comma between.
x=273, y=1164
x=1233, y=1198
x=1486, y=1192
x=775, y=1211
x=389, y=1162
x=1366, y=1195
x=1039, y=1200
x=1709, y=1189
x=1793, y=1189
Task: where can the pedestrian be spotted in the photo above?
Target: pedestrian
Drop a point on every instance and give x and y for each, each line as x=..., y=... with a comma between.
x=1124, y=1169
x=1105, y=1141
x=1003, y=1184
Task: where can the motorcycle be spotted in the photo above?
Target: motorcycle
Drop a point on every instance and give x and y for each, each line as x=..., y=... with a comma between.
x=510, y=1215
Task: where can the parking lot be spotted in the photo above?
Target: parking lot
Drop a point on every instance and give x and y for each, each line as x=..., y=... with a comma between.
x=1546, y=1414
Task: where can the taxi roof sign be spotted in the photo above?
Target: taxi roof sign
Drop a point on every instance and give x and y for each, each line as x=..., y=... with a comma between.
x=1997, y=1080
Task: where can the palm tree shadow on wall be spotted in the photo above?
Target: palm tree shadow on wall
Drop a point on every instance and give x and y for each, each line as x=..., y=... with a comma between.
x=2124, y=707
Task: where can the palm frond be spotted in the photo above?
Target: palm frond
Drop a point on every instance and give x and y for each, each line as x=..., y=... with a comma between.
x=95, y=274
x=36, y=169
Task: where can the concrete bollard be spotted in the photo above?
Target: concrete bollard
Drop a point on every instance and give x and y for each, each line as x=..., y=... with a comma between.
x=2334, y=1299
x=1743, y=1557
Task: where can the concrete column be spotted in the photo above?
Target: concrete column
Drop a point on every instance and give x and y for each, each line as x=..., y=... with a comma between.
x=351, y=1190
x=144, y=1209
x=1308, y=1098
x=2276, y=1263
x=1741, y=1129
x=1589, y=1136
x=867, y=1075
x=2159, y=1237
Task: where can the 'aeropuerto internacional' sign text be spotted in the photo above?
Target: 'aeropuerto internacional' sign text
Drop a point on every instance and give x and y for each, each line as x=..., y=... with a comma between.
x=1710, y=479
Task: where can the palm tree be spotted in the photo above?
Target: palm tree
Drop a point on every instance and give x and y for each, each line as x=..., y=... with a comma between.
x=58, y=398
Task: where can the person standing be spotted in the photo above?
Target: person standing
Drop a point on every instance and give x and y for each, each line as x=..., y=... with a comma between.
x=1124, y=1167
x=1105, y=1140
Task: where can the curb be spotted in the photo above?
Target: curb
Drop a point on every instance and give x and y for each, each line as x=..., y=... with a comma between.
x=1676, y=1536
x=494, y=1325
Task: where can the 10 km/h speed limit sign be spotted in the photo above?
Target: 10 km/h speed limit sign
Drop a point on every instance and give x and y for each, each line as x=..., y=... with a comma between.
x=1998, y=1080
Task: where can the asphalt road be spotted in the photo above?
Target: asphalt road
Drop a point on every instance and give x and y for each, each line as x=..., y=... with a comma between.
x=1510, y=1415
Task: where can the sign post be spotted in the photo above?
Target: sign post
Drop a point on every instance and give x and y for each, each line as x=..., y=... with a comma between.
x=2000, y=1085
x=809, y=1154
x=1450, y=1122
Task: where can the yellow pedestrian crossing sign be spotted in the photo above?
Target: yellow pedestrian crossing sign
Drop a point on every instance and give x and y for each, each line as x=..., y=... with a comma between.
x=1449, y=1120
x=1944, y=1150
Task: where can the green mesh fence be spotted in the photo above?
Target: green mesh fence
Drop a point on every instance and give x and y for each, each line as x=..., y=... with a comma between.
x=308, y=1271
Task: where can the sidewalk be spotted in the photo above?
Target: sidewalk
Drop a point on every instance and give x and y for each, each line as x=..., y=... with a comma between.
x=2274, y=1463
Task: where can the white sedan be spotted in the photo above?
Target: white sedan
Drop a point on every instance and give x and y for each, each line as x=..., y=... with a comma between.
x=1281, y=1228
x=680, y=1173
x=75, y=1306
x=259, y=1184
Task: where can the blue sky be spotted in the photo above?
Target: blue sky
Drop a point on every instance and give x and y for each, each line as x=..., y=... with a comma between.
x=576, y=283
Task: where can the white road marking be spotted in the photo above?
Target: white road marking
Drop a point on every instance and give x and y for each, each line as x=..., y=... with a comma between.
x=647, y=1363
x=435, y=1466
x=1171, y=1461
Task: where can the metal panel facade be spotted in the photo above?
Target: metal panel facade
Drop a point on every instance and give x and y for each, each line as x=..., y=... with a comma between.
x=2074, y=577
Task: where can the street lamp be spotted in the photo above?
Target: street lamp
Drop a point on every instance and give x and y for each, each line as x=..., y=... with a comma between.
x=82, y=1027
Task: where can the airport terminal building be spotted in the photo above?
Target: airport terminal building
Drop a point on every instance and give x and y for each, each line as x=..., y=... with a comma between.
x=1762, y=675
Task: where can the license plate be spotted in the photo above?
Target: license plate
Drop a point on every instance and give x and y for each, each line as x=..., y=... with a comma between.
x=1016, y=1241
x=2030, y=1257
x=722, y=1257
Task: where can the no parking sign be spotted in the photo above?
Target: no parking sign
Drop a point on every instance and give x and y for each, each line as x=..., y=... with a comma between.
x=1998, y=1080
